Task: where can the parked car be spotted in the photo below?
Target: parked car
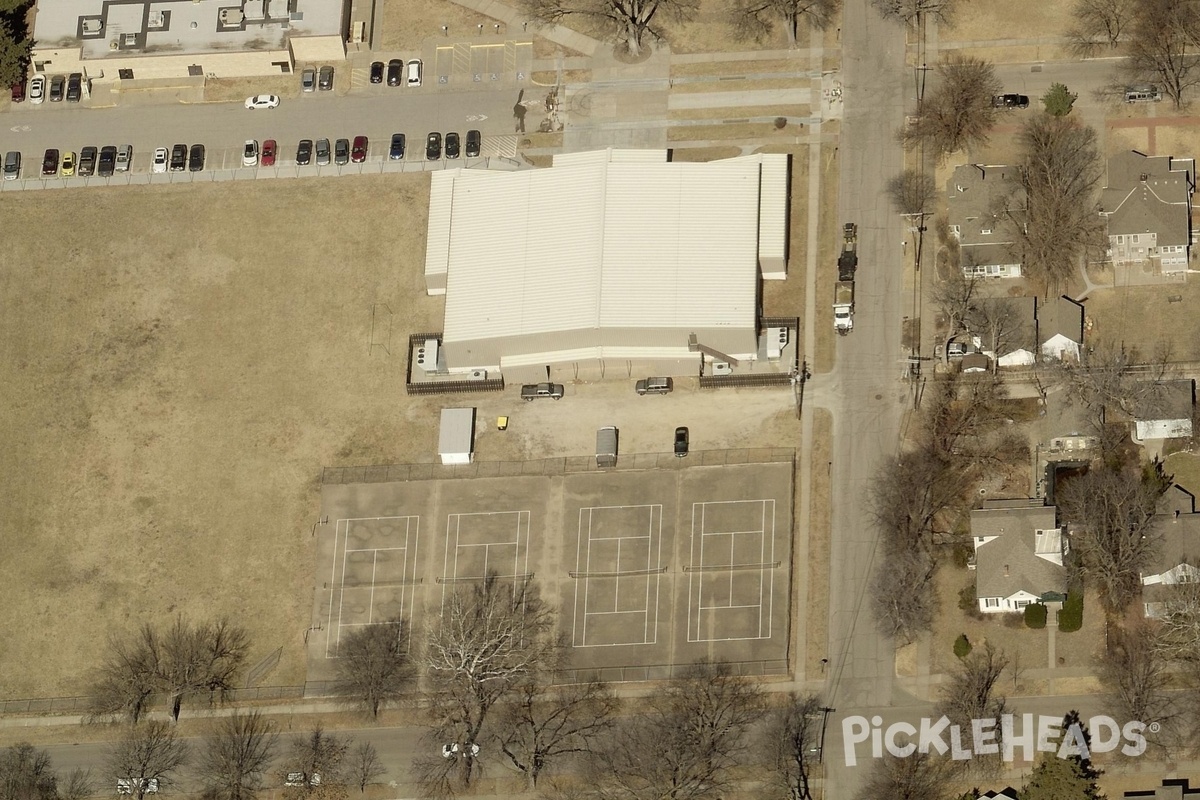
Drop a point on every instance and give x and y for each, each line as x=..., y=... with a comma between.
x=131, y=785
x=50, y=163
x=452, y=145
x=414, y=72
x=358, y=153
x=250, y=153
x=532, y=391
x=58, y=88
x=474, y=143
x=108, y=161
x=196, y=158
x=75, y=87
x=322, y=152
x=681, y=442
x=1142, y=94
x=308, y=79
x=433, y=146
x=87, y=161
x=17, y=90
x=376, y=72
x=12, y=165
x=262, y=101
x=396, y=151
x=654, y=386
x=124, y=157
x=304, y=152
x=67, y=168
x=394, y=69
x=179, y=154
x=325, y=79
x=37, y=89
x=162, y=157
x=1010, y=101
x=341, y=152
x=267, y=157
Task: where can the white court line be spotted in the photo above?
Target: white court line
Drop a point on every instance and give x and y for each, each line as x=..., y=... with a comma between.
x=455, y=522
x=766, y=583
x=583, y=564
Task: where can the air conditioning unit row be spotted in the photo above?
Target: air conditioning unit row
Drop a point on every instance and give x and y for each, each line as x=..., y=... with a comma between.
x=721, y=368
x=427, y=355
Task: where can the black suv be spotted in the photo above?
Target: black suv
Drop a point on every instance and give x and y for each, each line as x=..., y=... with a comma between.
x=395, y=68
x=75, y=87
x=196, y=159
x=396, y=152
x=377, y=72
x=108, y=161
x=1010, y=101
x=474, y=141
x=50, y=163
x=681, y=442
x=179, y=155
x=87, y=162
x=433, y=146
x=453, y=147
x=304, y=152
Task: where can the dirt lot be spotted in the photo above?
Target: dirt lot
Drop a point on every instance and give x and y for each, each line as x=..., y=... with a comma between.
x=171, y=395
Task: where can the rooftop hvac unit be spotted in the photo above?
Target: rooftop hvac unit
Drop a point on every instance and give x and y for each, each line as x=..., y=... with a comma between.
x=722, y=368
x=427, y=355
x=776, y=340
x=479, y=375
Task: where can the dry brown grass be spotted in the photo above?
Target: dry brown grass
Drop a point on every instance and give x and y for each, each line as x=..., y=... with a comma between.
x=227, y=90
x=1013, y=19
x=738, y=112
x=704, y=153
x=1142, y=317
x=816, y=608
x=172, y=393
x=764, y=132
x=407, y=24
x=786, y=298
x=738, y=85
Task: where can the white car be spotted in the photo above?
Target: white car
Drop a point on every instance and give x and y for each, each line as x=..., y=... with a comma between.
x=262, y=101
x=131, y=785
x=250, y=153
x=37, y=89
x=161, y=158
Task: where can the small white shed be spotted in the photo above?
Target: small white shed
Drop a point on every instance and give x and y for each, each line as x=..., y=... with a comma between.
x=456, y=440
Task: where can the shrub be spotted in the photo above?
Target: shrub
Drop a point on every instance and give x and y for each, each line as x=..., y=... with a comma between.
x=962, y=646
x=1059, y=101
x=1035, y=616
x=1071, y=617
x=968, y=603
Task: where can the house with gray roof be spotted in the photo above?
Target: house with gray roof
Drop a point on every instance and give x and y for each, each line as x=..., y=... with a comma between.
x=1019, y=550
x=1171, y=789
x=1060, y=328
x=982, y=201
x=1166, y=413
x=1147, y=204
x=1177, y=558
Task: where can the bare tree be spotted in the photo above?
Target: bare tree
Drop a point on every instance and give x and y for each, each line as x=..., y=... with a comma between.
x=921, y=776
x=631, y=23
x=365, y=766
x=26, y=774
x=491, y=636
x=912, y=192
x=1137, y=677
x=1179, y=636
x=237, y=756
x=998, y=324
x=147, y=757
x=1111, y=514
x=1057, y=225
x=543, y=724
x=373, y=666
x=1118, y=378
x=959, y=112
x=1098, y=23
x=956, y=296
x=756, y=19
x=912, y=12
x=793, y=742
x=320, y=758
x=1164, y=47
x=128, y=676
x=972, y=692
x=684, y=742
x=77, y=786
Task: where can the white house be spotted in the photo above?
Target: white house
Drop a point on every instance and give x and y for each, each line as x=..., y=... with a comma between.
x=1019, y=551
x=1178, y=554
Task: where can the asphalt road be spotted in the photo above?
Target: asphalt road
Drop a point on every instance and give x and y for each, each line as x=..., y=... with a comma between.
x=867, y=381
x=223, y=127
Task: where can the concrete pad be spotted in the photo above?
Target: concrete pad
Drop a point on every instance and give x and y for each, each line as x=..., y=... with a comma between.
x=755, y=97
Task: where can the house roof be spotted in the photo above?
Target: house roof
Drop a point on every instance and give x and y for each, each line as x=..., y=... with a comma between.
x=1174, y=400
x=1009, y=563
x=1060, y=316
x=1020, y=326
x=1171, y=789
x=1149, y=194
x=974, y=196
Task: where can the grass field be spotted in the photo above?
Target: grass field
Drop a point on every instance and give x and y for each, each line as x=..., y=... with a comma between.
x=179, y=363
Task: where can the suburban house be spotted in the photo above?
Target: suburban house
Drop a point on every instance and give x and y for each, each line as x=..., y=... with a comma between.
x=1171, y=789
x=1148, y=206
x=1168, y=415
x=1016, y=331
x=1060, y=329
x=1007, y=793
x=1019, y=550
x=977, y=197
x=1178, y=555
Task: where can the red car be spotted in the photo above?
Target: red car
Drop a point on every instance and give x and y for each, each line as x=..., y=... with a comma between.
x=358, y=152
x=266, y=156
x=18, y=91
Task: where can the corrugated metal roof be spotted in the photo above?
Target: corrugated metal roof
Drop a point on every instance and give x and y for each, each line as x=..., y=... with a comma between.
x=773, y=207
x=611, y=155
x=437, y=247
x=456, y=435
x=599, y=243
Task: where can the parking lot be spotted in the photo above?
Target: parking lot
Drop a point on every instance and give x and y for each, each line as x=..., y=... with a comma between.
x=650, y=569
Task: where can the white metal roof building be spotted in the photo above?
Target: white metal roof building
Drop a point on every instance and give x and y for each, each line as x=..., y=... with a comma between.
x=605, y=259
